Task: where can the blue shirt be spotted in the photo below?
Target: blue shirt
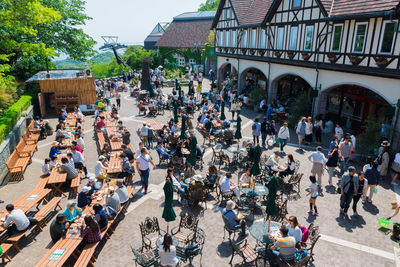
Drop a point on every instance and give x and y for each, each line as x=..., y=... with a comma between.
x=269, y=111
x=302, y=130
x=83, y=200
x=372, y=175
x=231, y=217
x=53, y=152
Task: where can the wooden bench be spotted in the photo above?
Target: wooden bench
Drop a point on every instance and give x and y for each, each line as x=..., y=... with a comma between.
x=16, y=166
x=130, y=193
x=42, y=182
x=32, y=129
x=75, y=183
x=53, y=204
x=101, y=140
x=24, y=149
x=5, y=247
x=31, y=137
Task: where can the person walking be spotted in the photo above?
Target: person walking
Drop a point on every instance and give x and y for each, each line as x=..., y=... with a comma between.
x=318, y=160
x=313, y=193
x=338, y=132
x=383, y=161
x=332, y=163
x=284, y=135
x=395, y=168
x=373, y=176
x=264, y=131
x=118, y=99
x=345, y=149
x=256, y=131
x=348, y=188
x=142, y=165
x=309, y=131
x=361, y=192
x=301, y=131
x=318, y=130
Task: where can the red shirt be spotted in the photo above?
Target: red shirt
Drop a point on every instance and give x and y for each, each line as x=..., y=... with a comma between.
x=100, y=124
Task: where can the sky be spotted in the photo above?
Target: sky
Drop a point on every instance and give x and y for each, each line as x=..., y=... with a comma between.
x=132, y=20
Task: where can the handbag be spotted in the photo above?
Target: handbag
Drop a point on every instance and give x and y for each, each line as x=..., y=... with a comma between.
x=338, y=189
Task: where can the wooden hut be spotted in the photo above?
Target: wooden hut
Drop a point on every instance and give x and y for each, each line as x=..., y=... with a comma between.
x=64, y=87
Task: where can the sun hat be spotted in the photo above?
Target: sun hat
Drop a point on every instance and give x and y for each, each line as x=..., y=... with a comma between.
x=86, y=189
x=230, y=205
x=54, y=143
x=102, y=157
x=92, y=179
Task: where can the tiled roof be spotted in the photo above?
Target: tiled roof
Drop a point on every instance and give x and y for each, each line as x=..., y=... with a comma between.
x=347, y=7
x=196, y=15
x=184, y=34
x=251, y=12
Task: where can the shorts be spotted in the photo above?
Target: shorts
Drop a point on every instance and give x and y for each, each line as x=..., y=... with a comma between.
x=314, y=197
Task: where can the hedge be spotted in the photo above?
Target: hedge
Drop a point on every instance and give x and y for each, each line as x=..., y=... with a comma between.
x=12, y=115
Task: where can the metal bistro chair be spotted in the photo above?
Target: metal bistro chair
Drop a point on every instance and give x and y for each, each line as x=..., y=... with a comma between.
x=247, y=253
x=223, y=196
x=162, y=159
x=190, y=252
x=229, y=229
x=187, y=222
x=219, y=156
x=144, y=257
x=148, y=228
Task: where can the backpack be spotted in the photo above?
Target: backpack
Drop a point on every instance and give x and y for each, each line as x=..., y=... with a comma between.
x=305, y=233
x=379, y=159
x=254, y=127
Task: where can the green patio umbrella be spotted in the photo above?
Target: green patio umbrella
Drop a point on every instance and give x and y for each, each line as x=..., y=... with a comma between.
x=176, y=84
x=150, y=89
x=175, y=113
x=183, y=128
x=238, y=133
x=223, y=117
x=255, y=169
x=272, y=209
x=168, y=212
x=193, y=152
x=191, y=89
x=180, y=95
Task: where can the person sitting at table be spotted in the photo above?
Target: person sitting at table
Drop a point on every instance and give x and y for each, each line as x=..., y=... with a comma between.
x=78, y=148
x=127, y=169
x=100, y=167
x=54, y=149
x=106, y=150
x=72, y=212
x=122, y=192
x=53, y=162
x=92, y=184
x=58, y=227
x=161, y=149
x=69, y=168
x=284, y=247
x=80, y=141
x=189, y=172
x=227, y=185
x=79, y=130
x=181, y=188
x=290, y=166
x=246, y=178
x=46, y=168
x=70, y=158
x=113, y=202
x=294, y=228
x=234, y=220
x=100, y=216
x=63, y=116
x=142, y=108
x=211, y=178
x=126, y=136
x=128, y=152
x=60, y=126
x=167, y=252
x=79, y=160
x=175, y=129
x=207, y=124
x=83, y=197
x=91, y=231
x=273, y=161
x=15, y=220
x=100, y=124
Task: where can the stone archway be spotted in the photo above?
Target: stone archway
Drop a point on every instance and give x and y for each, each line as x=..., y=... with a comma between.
x=288, y=86
x=177, y=51
x=225, y=70
x=251, y=78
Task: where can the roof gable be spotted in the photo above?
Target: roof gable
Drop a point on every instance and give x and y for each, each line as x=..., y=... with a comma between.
x=347, y=7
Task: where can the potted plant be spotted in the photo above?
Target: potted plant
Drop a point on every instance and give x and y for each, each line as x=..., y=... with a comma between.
x=291, y=54
x=278, y=53
x=233, y=50
x=332, y=57
x=381, y=61
x=252, y=52
x=49, y=129
x=305, y=55
x=354, y=59
x=244, y=50
x=261, y=52
x=226, y=49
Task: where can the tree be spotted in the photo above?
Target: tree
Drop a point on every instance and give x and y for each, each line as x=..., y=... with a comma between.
x=209, y=5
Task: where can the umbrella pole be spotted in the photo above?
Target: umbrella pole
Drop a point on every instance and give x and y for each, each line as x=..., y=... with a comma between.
x=269, y=224
x=167, y=227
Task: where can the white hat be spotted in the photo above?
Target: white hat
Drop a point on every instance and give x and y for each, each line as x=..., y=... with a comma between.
x=86, y=189
x=92, y=179
x=230, y=205
x=102, y=157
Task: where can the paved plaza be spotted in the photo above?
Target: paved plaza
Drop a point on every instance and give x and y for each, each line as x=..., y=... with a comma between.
x=353, y=241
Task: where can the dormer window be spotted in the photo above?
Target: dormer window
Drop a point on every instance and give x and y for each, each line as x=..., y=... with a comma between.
x=296, y=3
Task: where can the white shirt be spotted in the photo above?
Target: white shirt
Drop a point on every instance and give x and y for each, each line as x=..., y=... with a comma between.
x=339, y=132
x=317, y=157
x=315, y=188
x=46, y=169
x=81, y=143
x=144, y=131
x=284, y=133
x=225, y=185
x=367, y=167
x=168, y=258
x=98, y=168
x=271, y=161
x=143, y=162
x=175, y=129
x=309, y=128
x=397, y=158
x=19, y=218
x=77, y=157
x=244, y=179
x=175, y=181
x=295, y=232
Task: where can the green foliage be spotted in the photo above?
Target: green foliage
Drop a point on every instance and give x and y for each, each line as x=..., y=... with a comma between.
x=257, y=94
x=209, y=5
x=300, y=108
x=68, y=64
x=12, y=115
x=370, y=139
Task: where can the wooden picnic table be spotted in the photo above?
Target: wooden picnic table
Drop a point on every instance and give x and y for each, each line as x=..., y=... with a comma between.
x=111, y=130
x=60, y=252
x=114, y=164
x=56, y=179
x=155, y=125
x=27, y=201
x=116, y=145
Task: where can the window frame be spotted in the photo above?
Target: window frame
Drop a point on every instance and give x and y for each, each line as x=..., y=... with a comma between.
x=245, y=37
x=291, y=38
x=277, y=38
x=226, y=38
x=383, y=35
x=297, y=7
x=234, y=38
x=333, y=37
x=253, y=39
x=227, y=12
x=221, y=38
x=312, y=37
x=263, y=39
x=355, y=36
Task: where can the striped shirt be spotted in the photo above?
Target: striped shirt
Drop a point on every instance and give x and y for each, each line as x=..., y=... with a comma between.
x=287, y=247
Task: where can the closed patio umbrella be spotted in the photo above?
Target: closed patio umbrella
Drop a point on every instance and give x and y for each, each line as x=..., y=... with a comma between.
x=255, y=169
x=272, y=209
x=168, y=212
x=175, y=113
x=180, y=95
x=193, y=152
x=223, y=117
x=238, y=133
x=183, y=128
x=150, y=89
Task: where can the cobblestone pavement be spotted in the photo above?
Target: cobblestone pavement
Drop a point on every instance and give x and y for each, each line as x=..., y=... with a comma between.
x=353, y=241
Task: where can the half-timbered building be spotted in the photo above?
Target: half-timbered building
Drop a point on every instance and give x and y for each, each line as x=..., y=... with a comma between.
x=344, y=53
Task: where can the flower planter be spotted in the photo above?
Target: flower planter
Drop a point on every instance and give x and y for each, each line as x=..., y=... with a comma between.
x=252, y=52
x=291, y=55
x=278, y=54
x=261, y=52
x=233, y=50
x=306, y=56
x=244, y=51
x=381, y=62
x=355, y=60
